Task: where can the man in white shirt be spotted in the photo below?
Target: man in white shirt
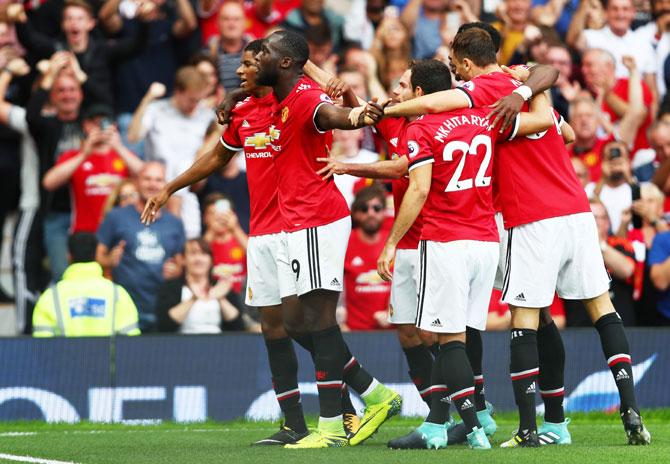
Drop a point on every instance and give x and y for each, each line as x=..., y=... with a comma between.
x=657, y=34
x=618, y=39
x=174, y=129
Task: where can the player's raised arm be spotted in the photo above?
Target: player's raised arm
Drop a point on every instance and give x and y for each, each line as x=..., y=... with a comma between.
x=412, y=203
x=387, y=169
x=334, y=87
x=211, y=162
x=446, y=100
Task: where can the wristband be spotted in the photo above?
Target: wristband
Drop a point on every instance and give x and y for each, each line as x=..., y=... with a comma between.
x=524, y=91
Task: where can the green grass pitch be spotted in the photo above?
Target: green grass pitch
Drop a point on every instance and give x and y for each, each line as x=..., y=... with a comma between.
x=597, y=438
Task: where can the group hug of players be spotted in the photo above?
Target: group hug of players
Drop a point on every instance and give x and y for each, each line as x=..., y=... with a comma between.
x=484, y=197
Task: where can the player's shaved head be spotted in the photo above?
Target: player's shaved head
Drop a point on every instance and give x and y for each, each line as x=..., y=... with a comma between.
x=292, y=45
x=492, y=31
x=476, y=45
x=430, y=75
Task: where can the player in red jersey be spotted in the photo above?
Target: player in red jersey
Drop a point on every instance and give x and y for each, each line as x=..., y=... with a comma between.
x=546, y=214
x=318, y=224
x=403, y=308
x=270, y=285
x=450, y=161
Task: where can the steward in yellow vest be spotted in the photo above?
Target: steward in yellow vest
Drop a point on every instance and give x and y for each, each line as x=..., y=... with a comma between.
x=84, y=303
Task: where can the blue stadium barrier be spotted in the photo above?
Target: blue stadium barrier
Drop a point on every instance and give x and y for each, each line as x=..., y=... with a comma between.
x=150, y=379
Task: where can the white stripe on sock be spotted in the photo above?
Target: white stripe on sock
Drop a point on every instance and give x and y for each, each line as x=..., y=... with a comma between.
x=370, y=389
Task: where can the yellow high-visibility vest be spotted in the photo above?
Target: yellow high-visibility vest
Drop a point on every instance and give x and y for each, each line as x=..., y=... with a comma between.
x=85, y=304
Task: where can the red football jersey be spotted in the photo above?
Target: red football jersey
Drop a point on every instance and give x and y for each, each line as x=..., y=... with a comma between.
x=534, y=176
x=230, y=260
x=365, y=293
x=621, y=90
x=392, y=130
x=305, y=199
x=251, y=129
x=461, y=146
x=257, y=25
x=90, y=185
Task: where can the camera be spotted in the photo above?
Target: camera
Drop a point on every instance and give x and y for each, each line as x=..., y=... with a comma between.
x=614, y=153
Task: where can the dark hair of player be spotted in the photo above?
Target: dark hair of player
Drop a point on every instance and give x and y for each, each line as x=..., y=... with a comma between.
x=431, y=75
x=82, y=247
x=254, y=46
x=493, y=32
x=476, y=45
x=294, y=46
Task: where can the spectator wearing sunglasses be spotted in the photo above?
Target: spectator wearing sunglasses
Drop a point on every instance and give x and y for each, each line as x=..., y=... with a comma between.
x=366, y=295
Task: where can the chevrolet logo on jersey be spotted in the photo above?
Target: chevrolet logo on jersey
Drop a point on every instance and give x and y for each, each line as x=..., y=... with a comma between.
x=262, y=139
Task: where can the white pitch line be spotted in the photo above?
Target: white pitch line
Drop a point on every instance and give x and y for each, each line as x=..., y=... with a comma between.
x=17, y=434
x=14, y=457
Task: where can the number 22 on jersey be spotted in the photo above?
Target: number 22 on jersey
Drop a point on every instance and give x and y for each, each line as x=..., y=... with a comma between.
x=456, y=184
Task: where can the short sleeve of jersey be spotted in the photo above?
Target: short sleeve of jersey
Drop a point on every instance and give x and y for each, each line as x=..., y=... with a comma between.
x=418, y=149
x=66, y=156
x=513, y=129
x=311, y=100
x=231, y=136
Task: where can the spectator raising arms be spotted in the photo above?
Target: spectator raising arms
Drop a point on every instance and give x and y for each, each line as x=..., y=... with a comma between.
x=93, y=171
x=173, y=130
x=94, y=55
x=56, y=132
x=194, y=304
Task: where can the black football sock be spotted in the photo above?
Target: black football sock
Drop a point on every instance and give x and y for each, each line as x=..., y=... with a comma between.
x=475, y=352
x=329, y=350
x=284, y=368
x=615, y=346
x=457, y=373
x=524, y=371
x=439, y=400
x=306, y=341
x=347, y=405
x=420, y=363
x=354, y=375
x=551, y=354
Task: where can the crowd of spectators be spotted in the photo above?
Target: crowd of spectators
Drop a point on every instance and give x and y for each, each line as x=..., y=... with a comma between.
x=103, y=101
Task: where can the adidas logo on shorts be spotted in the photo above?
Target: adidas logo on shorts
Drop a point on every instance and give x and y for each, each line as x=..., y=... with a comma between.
x=531, y=389
x=335, y=282
x=622, y=375
x=436, y=323
x=520, y=297
x=466, y=404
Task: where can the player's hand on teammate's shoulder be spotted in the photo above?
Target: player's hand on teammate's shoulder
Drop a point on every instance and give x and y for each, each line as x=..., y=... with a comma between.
x=520, y=73
x=505, y=110
x=152, y=206
x=226, y=106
